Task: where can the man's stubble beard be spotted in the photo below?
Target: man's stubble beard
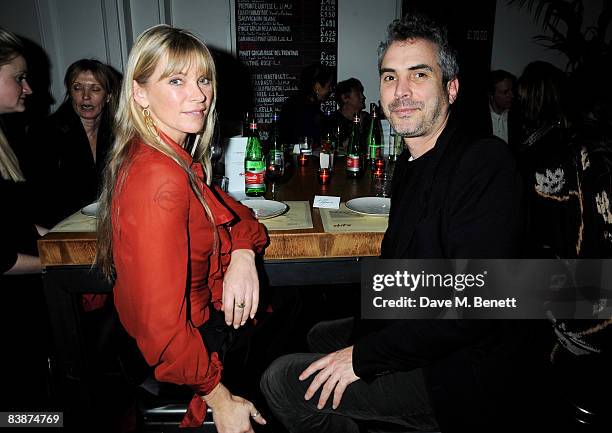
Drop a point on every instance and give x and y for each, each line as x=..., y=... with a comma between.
x=424, y=126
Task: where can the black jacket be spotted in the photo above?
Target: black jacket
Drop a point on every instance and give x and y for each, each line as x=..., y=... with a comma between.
x=464, y=202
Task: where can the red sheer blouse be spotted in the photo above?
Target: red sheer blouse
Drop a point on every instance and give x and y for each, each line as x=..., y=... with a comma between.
x=166, y=265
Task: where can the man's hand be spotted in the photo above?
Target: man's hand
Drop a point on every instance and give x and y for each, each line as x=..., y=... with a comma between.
x=335, y=375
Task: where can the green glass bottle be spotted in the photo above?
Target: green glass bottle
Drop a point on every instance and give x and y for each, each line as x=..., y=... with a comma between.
x=254, y=164
x=374, y=140
x=354, y=166
x=398, y=146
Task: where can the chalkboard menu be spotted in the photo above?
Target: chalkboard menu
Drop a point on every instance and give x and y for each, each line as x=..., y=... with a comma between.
x=277, y=39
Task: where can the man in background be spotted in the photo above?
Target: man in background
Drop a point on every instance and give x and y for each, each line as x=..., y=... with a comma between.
x=501, y=96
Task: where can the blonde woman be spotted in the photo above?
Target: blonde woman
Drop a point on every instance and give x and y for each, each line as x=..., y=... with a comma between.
x=15, y=258
x=178, y=248
x=23, y=316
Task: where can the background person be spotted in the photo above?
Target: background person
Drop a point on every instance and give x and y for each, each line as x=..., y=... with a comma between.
x=547, y=164
x=180, y=250
x=350, y=100
x=301, y=115
x=500, y=92
x=566, y=159
x=72, y=144
x=23, y=316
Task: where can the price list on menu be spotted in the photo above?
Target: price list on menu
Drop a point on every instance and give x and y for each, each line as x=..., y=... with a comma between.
x=277, y=39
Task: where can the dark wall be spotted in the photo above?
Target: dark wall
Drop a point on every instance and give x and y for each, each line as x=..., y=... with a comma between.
x=470, y=30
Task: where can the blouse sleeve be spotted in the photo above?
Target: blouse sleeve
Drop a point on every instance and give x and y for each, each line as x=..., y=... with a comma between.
x=151, y=257
x=247, y=233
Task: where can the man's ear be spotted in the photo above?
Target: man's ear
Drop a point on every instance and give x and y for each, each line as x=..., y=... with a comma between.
x=140, y=94
x=452, y=88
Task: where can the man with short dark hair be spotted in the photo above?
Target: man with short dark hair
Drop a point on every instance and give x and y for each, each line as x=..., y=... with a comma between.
x=500, y=92
x=453, y=196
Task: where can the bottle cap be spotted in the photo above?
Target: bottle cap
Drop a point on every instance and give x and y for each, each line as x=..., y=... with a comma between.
x=373, y=110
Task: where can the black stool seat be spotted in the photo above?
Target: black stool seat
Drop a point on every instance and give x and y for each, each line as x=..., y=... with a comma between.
x=163, y=411
x=166, y=419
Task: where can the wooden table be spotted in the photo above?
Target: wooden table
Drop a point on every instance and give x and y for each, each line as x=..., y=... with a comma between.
x=61, y=249
x=296, y=257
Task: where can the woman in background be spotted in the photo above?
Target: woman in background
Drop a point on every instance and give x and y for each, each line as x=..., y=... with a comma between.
x=546, y=159
x=350, y=100
x=72, y=144
x=22, y=309
x=179, y=249
x=566, y=158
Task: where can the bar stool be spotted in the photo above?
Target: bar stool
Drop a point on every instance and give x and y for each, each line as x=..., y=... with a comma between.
x=161, y=405
x=166, y=419
x=163, y=409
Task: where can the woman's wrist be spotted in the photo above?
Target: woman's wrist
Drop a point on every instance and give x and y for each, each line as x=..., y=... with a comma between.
x=214, y=397
x=243, y=252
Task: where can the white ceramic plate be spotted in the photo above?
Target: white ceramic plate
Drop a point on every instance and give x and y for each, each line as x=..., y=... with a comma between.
x=91, y=210
x=372, y=206
x=266, y=208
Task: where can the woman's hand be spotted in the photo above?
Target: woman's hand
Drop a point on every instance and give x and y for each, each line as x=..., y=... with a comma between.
x=240, y=288
x=232, y=414
x=25, y=264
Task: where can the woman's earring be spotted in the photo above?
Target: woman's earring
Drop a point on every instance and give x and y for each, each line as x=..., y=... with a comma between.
x=147, y=117
x=146, y=113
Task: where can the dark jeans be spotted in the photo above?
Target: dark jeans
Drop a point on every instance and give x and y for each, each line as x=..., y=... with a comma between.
x=398, y=400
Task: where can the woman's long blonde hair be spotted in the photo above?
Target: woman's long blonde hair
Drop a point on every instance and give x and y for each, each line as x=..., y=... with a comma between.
x=182, y=50
x=10, y=47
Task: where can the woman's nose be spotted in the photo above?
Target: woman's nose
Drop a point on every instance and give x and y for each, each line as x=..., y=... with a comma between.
x=26, y=89
x=198, y=94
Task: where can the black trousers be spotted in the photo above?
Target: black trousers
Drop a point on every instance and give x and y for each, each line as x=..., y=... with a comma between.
x=392, y=402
